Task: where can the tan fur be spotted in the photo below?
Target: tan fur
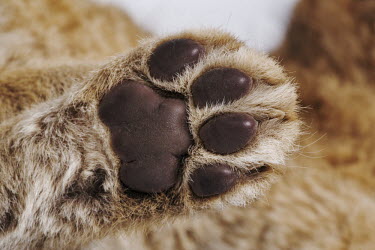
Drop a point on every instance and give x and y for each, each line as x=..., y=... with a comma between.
x=21, y=88
x=331, y=211
x=330, y=48
x=62, y=30
x=59, y=175
x=42, y=41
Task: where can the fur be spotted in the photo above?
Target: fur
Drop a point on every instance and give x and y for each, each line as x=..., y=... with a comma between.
x=59, y=175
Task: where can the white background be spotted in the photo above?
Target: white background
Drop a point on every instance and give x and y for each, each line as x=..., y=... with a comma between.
x=260, y=23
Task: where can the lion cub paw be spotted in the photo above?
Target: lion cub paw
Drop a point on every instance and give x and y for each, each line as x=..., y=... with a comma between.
x=198, y=117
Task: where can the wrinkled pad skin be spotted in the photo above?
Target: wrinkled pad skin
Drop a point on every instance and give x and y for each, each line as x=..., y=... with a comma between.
x=212, y=180
x=220, y=85
x=149, y=134
x=228, y=133
x=172, y=57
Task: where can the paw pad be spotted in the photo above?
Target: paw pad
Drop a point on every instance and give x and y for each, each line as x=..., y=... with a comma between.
x=228, y=133
x=212, y=180
x=220, y=85
x=149, y=134
x=172, y=57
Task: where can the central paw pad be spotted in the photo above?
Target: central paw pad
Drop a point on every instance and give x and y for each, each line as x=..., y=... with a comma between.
x=220, y=105
x=149, y=133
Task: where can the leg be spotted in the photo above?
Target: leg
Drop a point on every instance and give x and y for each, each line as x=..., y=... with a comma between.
x=22, y=88
x=144, y=138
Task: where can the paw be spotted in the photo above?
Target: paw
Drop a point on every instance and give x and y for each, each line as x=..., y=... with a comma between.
x=196, y=118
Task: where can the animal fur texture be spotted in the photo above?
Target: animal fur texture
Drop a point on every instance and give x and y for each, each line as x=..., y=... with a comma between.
x=59, y=181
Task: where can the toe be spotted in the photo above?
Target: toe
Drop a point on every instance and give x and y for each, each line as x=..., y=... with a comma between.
x=228, y=133
x=212, y=180
x=220, y=85
x=172, y=57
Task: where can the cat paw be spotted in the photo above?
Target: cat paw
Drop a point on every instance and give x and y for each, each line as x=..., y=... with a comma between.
x=192, y=121
x=198, y=115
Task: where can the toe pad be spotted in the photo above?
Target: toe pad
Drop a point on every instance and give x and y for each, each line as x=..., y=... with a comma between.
x=221, y=85
x=228, y=133
x=172, y=57
x=212, y=180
